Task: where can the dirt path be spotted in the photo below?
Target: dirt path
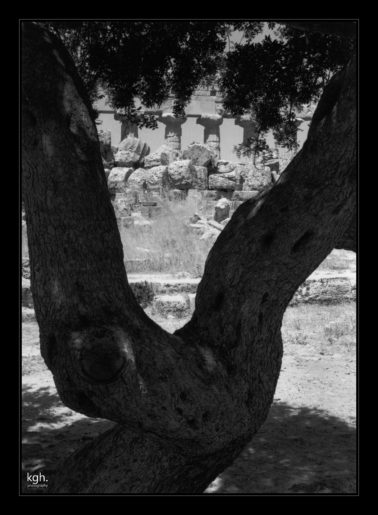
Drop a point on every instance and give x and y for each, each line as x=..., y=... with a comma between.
x=307, y=444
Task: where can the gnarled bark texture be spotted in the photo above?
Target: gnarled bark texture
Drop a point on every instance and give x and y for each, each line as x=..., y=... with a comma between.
x=185, y=404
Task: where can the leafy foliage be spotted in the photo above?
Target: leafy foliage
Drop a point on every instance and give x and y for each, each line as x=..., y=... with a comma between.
x=145, y=60
x=271, y=73
x=274, y=78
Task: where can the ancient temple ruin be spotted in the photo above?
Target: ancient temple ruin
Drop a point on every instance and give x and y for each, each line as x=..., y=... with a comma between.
x=190, y=160
x=205, y=122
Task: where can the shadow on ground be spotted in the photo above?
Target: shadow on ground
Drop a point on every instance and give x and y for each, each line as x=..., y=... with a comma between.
x=50, y=433
x=298, y=450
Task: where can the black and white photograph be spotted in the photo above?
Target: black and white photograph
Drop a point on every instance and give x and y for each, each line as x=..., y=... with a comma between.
x=188, y=236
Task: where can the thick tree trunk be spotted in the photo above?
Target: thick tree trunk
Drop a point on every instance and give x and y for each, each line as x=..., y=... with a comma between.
x=187, y=403
x=348, y=240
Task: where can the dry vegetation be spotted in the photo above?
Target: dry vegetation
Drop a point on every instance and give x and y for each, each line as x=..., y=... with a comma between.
x=168, y=244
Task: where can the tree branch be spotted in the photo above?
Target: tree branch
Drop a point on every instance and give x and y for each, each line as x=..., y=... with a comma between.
x=273, y=243
x=348, y=241
x=108, y=358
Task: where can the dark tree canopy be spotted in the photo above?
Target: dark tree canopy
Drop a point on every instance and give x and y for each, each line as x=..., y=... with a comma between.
x=271, y=73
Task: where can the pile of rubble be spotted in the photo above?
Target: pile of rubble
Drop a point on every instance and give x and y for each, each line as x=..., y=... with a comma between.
x=207, y=228
x=131, y=165
x=137, y=178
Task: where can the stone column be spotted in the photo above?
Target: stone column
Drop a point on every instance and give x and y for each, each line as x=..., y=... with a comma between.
x=249, y=130
x=128, y=128
x=173, y=130
x=211, y=123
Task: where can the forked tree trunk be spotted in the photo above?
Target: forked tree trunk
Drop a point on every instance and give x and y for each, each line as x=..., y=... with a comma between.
x=187, y=403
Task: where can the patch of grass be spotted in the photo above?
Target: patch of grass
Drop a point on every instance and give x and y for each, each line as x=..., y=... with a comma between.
x=321, y=326
x=168, y=244
x=339, y=260
x=342, y=331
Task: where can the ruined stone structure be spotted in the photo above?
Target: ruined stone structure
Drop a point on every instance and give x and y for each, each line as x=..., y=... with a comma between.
x=143, y=176
x=187, y=158
x=205, y=122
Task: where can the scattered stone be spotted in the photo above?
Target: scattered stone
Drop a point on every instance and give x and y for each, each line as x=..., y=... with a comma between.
x=224, y=181
x=200, y=155
x=194, y=219
x=197, y=228
x=131, y=152
x=244, y=195
x=164, y=155
x=117, y=179
x=256, y=179
x=121, y=206
x=222, y=210
x=200, y=181
x=152, y=179
x=182, y=174
x=225, y=166
x=215, y=225
x=225, y=221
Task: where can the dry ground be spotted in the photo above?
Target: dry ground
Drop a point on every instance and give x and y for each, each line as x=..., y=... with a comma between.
x=307, y=444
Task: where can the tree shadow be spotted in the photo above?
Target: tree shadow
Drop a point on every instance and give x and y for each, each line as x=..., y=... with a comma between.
x=297, y=450
x=50, y=433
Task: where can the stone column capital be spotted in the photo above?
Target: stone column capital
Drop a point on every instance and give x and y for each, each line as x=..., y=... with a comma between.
x=245, y=120
x=128, y=128
x=173, y=129
x=211, y=123
x=153, y=112
x=120, y=115
x=210, y=120
x=170, y=118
